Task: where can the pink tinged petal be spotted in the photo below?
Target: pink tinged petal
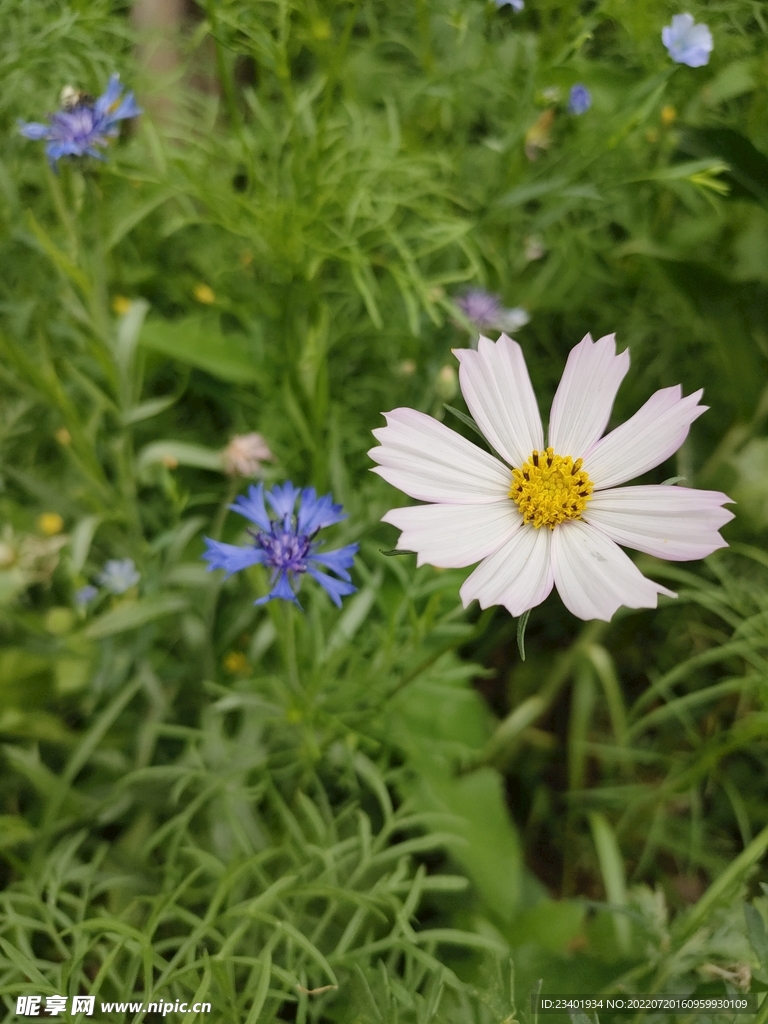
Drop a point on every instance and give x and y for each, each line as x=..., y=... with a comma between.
x=585, y=396
x=646, y=439
x=452, y=536
x=594, y=577
x=428, y=461
x=518, y=575
x=498, y=391
x=676, y=523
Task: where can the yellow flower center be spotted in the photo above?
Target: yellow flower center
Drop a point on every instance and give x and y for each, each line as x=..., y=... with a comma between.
x=549, y=488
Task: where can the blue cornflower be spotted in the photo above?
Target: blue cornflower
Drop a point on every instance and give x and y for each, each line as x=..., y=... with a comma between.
x=84, y=123
x=119, y=575
x=285, y=544
x=579, y=99
x=85, y=595
x=687, y=42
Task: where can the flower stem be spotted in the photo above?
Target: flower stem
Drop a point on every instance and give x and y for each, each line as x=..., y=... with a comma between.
x=289, y=647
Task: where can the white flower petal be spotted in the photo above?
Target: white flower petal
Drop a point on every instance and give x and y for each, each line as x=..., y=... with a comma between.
x=498, y=391
x=452, y=536
x=594, y=577
x=428, y=461
x=582, y=404
x=676, y=523
x=649, y=437
x=518, y=575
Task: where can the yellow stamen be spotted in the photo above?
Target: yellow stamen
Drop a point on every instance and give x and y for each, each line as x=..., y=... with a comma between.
x=549, y=489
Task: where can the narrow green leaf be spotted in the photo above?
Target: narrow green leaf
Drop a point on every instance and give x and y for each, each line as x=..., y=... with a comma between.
x=756, y=933
x=131, y=616
x=182, y=452
x=612, y=871
x=522, y=622
x=199, y=341
x=57, y=257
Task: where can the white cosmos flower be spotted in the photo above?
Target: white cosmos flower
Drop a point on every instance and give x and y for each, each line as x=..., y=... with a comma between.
x=548, y=516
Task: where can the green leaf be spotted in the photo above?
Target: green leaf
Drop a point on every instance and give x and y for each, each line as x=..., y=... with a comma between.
x=612, y=870
x=135, y=614
x=146, y=410
x=182, y=452
x=57, y=257
x=522, y=622
x=199, y=341
x=756, y=933
x=13, y=830
x=81, y=539
x=748, y=166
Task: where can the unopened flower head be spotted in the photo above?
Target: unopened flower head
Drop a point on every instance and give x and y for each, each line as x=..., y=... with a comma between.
x=579, y=99
x=119, y=575
x=485, y=311
x=687, y=42
x=285, y=542
x=83, y=124
x=548, y=514
x=244, y=455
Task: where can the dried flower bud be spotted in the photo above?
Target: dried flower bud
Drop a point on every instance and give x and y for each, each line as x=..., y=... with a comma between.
x=244, y=454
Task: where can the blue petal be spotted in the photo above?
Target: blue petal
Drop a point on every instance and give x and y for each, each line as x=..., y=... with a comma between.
x=336, y=588
x=230, y=557
x=128, y=108
x=282, y=589
x=337, y=561
x=253, y=507
x=315, y=513
x=109, y=97
x=282, y=499
x=34, y=130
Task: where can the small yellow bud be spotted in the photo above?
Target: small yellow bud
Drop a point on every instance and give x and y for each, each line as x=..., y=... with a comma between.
x=120, y=305
x=204, y=293
x=407, y=368
x=668, y=115
x=236, y=663
x=170, y=462
x=50, y=523
x=63, y=436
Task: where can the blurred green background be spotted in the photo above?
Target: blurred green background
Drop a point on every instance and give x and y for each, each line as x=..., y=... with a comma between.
x=200, y=799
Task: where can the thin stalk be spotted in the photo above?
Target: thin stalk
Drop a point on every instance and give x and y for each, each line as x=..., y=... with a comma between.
x=288, y=643
x=62, y=209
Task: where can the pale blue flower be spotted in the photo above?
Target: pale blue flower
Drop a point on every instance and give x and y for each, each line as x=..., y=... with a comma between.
x=119, y=575
x=79, y=129
x=687, y=42
x=85, y=595
x=579, y=99
x=285, y=544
